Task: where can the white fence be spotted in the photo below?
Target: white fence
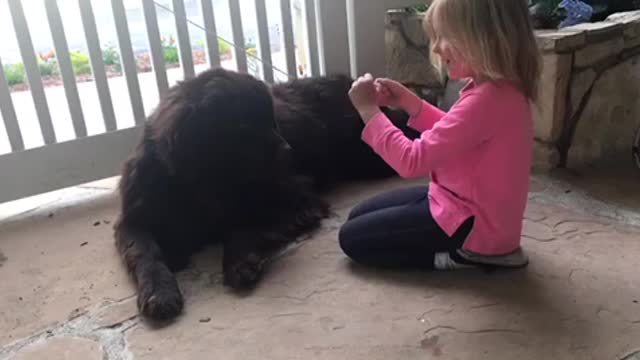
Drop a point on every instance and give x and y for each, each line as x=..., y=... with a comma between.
x=341, y=36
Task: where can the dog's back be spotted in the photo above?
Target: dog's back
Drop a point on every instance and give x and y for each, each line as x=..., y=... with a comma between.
x=316, y=117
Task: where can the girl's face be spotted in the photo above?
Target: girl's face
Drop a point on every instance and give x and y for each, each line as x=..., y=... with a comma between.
x=457, y=67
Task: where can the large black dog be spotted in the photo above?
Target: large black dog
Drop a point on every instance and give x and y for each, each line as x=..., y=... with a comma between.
x=225, y=158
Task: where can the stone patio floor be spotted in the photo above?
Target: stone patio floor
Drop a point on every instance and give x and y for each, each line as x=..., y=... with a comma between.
x=64, y=295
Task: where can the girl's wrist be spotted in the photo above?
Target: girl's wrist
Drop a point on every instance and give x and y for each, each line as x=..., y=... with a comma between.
x=368, y=113
x=413, y=105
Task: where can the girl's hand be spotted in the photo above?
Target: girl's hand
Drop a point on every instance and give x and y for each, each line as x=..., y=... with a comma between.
x=394, y=94
x=363, y=97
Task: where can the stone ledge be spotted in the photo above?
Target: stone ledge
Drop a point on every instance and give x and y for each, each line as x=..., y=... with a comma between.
x=560, y=40
x=598, y=31
x=630, y=21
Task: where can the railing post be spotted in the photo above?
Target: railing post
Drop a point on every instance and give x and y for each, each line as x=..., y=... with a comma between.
x=333, y=44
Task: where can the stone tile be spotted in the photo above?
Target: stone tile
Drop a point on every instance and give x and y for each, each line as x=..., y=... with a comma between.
x=560, y=40
x=57, y=267
x=537, y=231
x=572, y=302
x=549, y=113
x=62, y=348
x=613, y=185
x=596, y=52
x=112, y=315
x=536, y=186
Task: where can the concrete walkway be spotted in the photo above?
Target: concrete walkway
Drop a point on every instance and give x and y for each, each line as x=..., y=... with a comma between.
x=64, y=294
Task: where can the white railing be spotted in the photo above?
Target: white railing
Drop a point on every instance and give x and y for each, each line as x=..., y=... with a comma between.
x=100, y=134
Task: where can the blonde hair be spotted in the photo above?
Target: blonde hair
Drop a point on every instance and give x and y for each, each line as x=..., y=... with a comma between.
x=495, y=37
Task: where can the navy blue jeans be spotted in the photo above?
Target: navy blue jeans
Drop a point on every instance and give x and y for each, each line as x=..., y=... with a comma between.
x=396, y=230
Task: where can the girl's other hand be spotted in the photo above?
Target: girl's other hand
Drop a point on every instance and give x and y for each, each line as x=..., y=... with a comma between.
x=394, y=94
x=363, y=97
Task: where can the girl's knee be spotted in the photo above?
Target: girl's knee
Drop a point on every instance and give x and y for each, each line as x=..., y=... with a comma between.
x=347, y=238
x=357, y=210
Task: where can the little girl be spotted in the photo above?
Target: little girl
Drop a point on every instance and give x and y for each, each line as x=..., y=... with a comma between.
x=477, y=155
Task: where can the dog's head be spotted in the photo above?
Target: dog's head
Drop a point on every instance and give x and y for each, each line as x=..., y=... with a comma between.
x=219, y=124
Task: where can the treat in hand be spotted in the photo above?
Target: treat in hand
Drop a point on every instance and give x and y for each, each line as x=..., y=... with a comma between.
x=393, y=94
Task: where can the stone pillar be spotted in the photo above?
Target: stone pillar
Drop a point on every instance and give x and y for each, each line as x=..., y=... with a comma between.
x=407, y=54
x=587, y=109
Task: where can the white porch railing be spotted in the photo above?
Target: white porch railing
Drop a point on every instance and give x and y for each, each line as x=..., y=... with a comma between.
x=89, y=154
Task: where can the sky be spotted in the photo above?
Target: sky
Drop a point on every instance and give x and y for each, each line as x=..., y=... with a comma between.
x=40, y=34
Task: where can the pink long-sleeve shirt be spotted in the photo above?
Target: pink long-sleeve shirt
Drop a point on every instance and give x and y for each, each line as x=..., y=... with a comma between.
x=478, y=157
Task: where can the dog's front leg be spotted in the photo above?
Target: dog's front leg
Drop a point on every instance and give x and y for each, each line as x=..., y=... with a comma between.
x=246, y=254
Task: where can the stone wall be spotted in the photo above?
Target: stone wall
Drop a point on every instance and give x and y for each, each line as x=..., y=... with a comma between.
x=589, y=105
x=407, y=52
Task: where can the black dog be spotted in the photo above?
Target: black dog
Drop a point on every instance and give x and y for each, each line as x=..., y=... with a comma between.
x=212, y=166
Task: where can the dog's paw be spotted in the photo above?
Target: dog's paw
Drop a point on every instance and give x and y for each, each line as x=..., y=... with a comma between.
x=160, y=299
x=244, y=274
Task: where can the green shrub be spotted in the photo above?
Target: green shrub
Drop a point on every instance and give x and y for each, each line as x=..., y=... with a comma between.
x=223, y=47
x=48, y=68
x=546, y=14
x=418, y=8
x=14, y=74
x=110, y=55
x=252, y=61
x=170, y=50
x=80, y=63
x=171, y=54
x=47, y=63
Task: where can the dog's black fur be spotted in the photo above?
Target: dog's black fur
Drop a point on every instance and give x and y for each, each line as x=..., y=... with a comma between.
x=212, y=166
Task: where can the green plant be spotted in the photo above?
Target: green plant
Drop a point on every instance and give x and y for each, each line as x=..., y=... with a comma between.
x=252, y=61
x=80, y=62
x=223, y=47
x=110, y=55
x=48, y=68
x=14, y=73
x=545, y=14
x=47, y=63
x=171, y=54
x=170, y=50
x=418, y=8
